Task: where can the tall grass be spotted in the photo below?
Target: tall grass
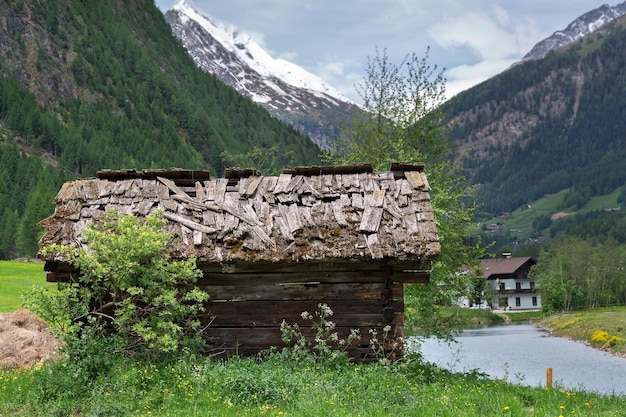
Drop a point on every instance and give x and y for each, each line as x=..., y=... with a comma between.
x=17, y=278
x=278, y=387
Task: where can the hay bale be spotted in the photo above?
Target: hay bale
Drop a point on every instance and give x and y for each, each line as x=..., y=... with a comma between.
x=25, y=341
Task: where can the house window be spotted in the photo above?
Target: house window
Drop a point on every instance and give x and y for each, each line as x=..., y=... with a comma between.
x=518, y=285
x=534, y=301
x=502, y=288
x=532, y=285
x=518, y=301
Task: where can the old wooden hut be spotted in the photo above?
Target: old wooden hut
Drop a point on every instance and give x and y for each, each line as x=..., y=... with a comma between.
x=272, y=247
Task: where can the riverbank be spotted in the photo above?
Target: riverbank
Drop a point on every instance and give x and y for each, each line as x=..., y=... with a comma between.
x=601, y=328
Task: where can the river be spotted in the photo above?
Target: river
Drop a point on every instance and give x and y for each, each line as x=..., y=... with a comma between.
x=521, y=353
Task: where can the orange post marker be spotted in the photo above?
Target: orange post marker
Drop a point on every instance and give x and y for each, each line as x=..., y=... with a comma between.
x=549, y=378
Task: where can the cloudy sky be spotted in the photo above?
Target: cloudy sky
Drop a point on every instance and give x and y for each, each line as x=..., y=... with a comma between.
x=473, y=40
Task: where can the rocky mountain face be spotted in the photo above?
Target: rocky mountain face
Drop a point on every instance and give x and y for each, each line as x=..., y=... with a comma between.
x=547, y=124
x=287, y=91
x=583, y=25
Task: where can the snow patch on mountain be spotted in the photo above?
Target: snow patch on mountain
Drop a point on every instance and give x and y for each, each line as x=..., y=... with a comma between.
x=252, y=54
x=583, y=25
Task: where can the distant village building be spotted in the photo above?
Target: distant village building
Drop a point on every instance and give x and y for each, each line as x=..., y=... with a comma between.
x=508, y=284
x=273, y=247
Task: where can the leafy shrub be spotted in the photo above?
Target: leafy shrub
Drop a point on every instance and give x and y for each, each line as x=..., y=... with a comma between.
x=128, y=291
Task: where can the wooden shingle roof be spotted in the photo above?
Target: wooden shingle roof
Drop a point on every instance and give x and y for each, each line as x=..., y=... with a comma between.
x=310, y=213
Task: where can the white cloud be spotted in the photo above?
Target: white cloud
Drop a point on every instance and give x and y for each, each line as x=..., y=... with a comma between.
x=462, y=77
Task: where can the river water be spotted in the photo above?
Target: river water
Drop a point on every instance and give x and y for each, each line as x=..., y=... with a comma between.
x=520, y=353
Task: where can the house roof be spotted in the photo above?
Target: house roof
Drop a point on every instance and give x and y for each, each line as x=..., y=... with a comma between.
x=308, y=213
x=503, y=266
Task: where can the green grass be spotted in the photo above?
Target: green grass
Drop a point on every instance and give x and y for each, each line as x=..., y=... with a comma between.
x=277, y=387
x=465, y=317
x=17, y=278
x=523, y=315
x=581, y=325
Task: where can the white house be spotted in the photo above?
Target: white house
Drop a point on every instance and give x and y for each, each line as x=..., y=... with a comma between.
x=508, y=284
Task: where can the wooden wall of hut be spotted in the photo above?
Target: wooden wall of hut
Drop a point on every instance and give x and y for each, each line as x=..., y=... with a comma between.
x=249, y=302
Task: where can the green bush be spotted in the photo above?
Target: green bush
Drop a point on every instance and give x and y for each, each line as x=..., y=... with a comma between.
x=129, y=291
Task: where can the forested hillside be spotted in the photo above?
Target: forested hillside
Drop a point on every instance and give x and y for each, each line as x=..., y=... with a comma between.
x=546, y=125
x=95, y=84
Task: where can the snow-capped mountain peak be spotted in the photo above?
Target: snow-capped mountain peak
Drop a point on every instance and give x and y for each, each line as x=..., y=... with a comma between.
x=252, y=54
x=581, y=26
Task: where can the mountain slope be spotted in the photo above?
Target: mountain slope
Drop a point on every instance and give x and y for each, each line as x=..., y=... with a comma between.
x=583, y=25
x=286, y=90
x=547, y=124
x=93, y=84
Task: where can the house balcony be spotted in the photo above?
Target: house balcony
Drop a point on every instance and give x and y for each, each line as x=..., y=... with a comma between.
x=520, y=291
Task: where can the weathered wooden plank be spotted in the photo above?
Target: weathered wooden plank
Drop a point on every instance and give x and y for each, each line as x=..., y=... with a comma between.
x=378, y=198
x=310, y=186
x=304, y=212
x=337, y=209
x=286, y=198
x=293, y=218
x=267, y=188
x=392, y=207
x=350, y=180
x=373, y=244
x=189, y=223
x=220, y=190
x=357, y=200
x=200, y=194
x=282, y=183
x=370, y=221
x=319, y=266
x=217, y=278
x=270, y=313
x=283, y=226
x=252, y=186
x=184, y=234
x=294, y=184
x=209, y=188
x=425, y=180
x=172, y=186
x=143, y=207
x=405, y=187
x=308, y=200
x=258, y=231
x=414, y=178
x=65, y=193
x=329, y=292
x=197, y=238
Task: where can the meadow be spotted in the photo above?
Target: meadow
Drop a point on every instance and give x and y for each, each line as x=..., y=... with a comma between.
x=520, y=221
x=602, y=328
x=274, y=386
x=103, y=383
x=16, y=278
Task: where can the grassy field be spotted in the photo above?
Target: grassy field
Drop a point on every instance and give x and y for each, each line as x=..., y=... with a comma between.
x=112, y=386
x=17, y=278
x=520, y=221
x=602, y=328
